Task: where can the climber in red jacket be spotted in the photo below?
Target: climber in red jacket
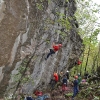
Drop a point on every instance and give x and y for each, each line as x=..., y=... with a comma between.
x=78, y=62
x=56, y=77
x=55, y=48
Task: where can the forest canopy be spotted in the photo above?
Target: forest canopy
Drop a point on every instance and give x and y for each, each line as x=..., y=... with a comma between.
x=89, y=29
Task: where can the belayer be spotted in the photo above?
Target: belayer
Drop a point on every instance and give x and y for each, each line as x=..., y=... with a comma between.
x=75, y=87
x=55, y=48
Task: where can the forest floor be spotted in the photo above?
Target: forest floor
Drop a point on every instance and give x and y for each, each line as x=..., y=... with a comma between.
x=87, y=92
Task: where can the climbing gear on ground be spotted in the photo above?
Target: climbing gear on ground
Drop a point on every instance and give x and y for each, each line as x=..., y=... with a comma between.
x=28, y=98
x=44, y=97
x=38, y=93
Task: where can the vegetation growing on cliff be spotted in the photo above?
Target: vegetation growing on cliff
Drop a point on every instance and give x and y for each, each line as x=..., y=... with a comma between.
x=88, y=29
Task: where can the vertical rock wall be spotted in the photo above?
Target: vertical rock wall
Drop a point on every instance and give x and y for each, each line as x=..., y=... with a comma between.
x=28, y=27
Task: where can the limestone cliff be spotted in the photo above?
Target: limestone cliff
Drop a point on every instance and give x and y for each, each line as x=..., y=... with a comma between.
x=28, y=29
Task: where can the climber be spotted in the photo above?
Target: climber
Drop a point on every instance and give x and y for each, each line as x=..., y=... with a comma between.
x=78, y=62
x=75, y=87
x=56, y=76
x=55, y=48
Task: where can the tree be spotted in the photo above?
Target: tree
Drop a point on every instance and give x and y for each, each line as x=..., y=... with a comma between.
x=88, y=30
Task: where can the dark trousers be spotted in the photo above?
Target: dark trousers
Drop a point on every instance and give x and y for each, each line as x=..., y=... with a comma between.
x=53, y=86
x=75, y=91
x=52, y=83
x=30, y=98
x=50, y=53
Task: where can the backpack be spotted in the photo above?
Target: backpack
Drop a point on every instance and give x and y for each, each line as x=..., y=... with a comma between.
x=28, y=98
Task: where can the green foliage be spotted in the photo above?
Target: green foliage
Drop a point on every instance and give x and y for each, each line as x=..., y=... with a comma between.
x=98, y=71
x=96, y=98
x=49, y=21
x=47, y=41
x=65, y=23
x=60, y=14
x=90, y=92
x=88, y=30
x=66, y=0
x=20, y=71
x=41, y=0
x=69, y=94
x=39, y=6
x=63, y=35
x=49, y=1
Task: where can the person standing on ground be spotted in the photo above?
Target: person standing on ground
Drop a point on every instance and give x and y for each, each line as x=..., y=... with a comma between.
x=52, y=83
x=86, y=75
x=79, y=80
x=56, y=76
x=64, y=81
x=67, y=75
x=75, y=87
x=54, y=49
x=61, y=76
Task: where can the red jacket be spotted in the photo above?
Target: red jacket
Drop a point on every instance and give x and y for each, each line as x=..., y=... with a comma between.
x=79, y=62
x=56, y=76
x=57, y=47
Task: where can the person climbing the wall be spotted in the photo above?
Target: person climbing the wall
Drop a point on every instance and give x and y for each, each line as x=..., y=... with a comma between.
x=75, y=87
x=54, y=49
x=56, y=76
x=78, y=62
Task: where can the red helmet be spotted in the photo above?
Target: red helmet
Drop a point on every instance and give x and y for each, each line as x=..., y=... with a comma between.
x=76, y=77
x=60, y=45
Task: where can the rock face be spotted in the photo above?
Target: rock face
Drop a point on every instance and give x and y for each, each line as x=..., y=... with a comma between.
x=28, y=28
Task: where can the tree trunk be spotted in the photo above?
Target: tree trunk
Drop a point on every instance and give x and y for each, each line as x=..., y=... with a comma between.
x=93, y=65
x=81, y=64
x=98, y=64
x=87, y=58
